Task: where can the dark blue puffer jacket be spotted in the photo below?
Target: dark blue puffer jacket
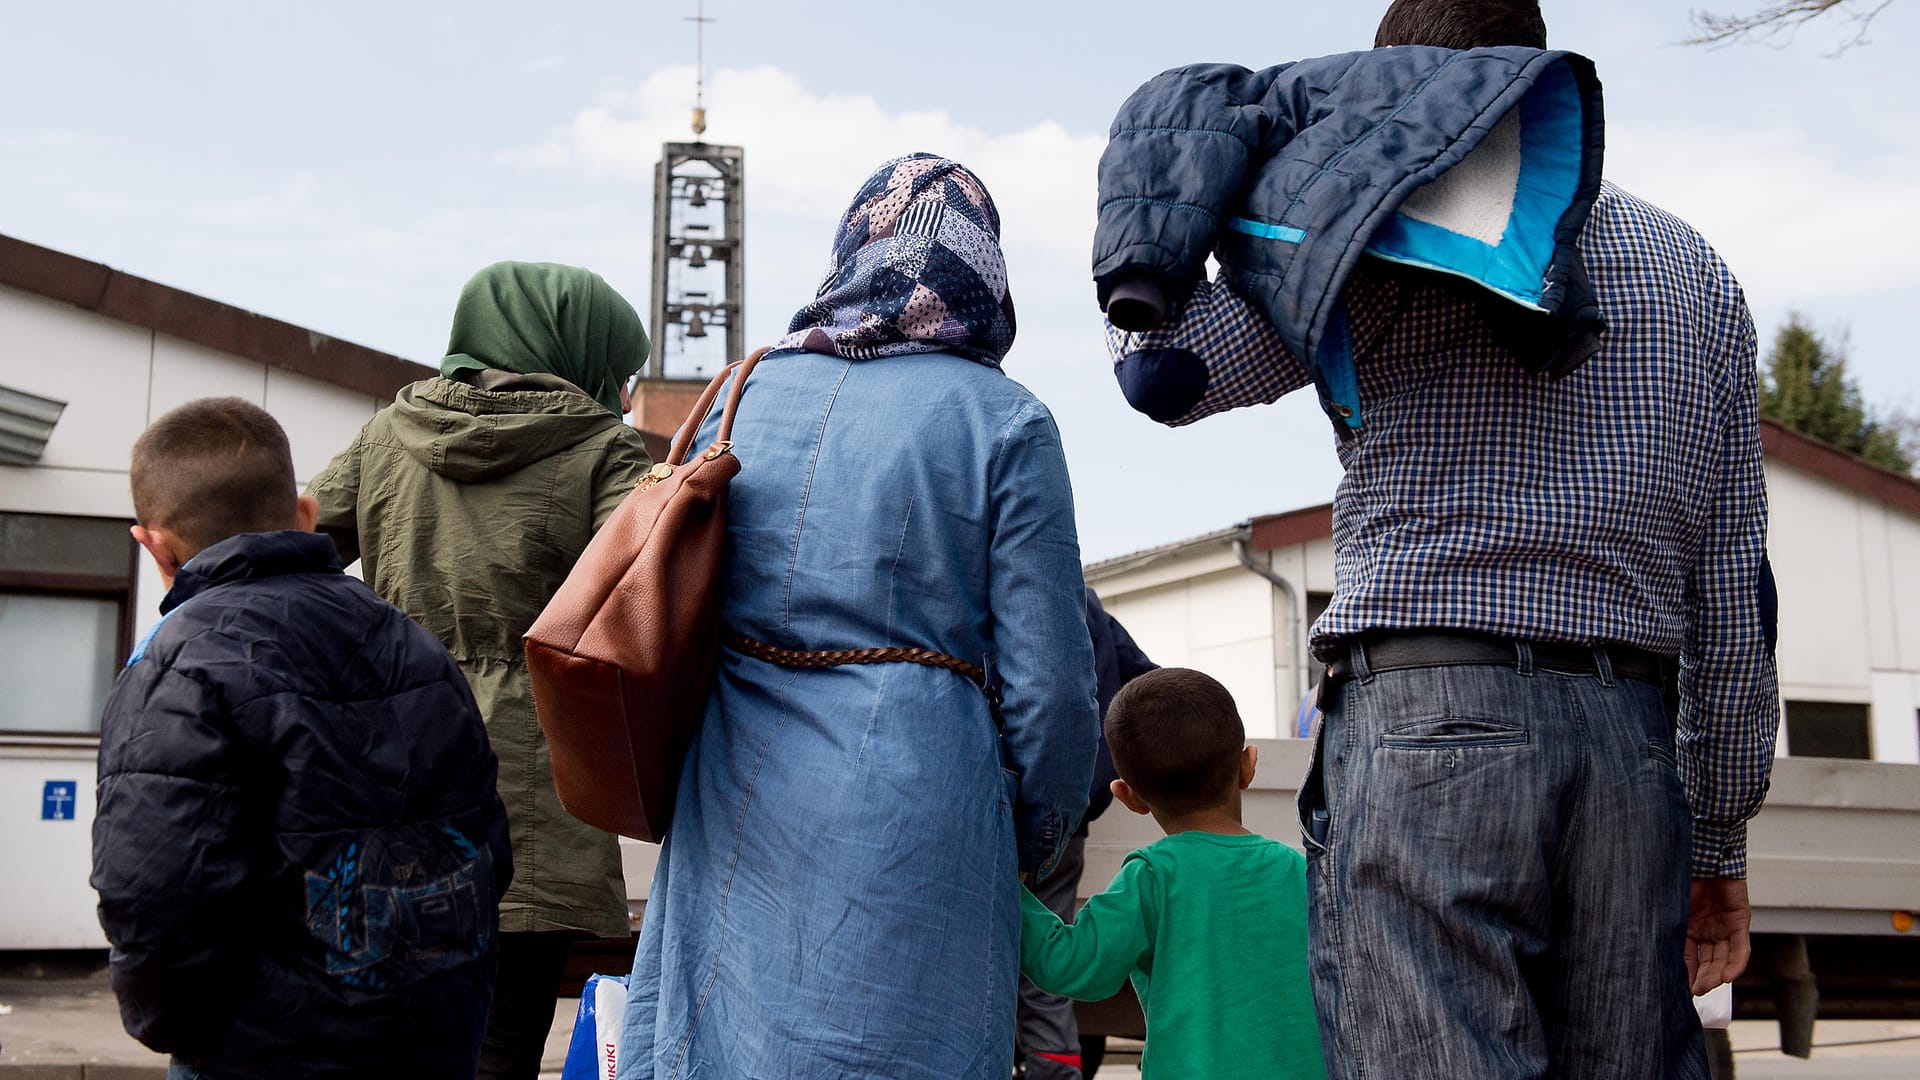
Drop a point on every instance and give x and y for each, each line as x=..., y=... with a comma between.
x=298, y=848
x=1117, y=661
x=1290, y=173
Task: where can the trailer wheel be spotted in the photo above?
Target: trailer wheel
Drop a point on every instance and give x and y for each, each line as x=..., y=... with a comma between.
x=1719, y=1054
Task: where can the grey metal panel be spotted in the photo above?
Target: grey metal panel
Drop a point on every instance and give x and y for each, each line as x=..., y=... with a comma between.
x=1837, y=844
x=1833, y=782
x=1823, y=922
x=26, y=422
x=1838, y=836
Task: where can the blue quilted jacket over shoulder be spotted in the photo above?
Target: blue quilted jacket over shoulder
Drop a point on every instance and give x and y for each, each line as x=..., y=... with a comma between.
x=1289, y=174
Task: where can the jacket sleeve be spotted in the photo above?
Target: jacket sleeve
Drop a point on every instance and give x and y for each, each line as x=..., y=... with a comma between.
x=1042, y=655
x=1216, y=353
x=1178, y=160
x=1133, y=662
x=1729, y=700
x=337, y=490
x=169, y=860
x=1091, y=958
x=618, y=473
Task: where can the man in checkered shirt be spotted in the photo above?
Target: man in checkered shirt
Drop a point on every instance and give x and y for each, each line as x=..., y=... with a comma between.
x=1531, y=576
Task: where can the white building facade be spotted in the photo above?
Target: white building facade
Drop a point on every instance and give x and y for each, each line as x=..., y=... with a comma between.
x=1844, y=542
x=88, y=357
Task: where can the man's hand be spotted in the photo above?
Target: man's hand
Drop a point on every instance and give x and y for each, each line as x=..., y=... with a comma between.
x=1717, y=944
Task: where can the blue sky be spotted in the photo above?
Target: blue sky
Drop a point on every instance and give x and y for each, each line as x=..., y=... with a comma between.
x=346, y=166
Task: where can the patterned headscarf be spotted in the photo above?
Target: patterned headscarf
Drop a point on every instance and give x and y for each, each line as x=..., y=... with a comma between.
x=916, y=268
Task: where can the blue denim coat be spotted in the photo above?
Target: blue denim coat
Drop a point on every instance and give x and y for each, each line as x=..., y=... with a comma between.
x=839, y=892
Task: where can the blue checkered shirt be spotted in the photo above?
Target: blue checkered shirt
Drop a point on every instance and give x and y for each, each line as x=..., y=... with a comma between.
x=1624, y=503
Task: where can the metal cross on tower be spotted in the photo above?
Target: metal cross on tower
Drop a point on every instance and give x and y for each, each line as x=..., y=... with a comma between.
x=699, y=241
x=699, y=20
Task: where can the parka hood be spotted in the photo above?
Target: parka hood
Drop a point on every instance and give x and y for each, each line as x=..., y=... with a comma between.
x=466, y=433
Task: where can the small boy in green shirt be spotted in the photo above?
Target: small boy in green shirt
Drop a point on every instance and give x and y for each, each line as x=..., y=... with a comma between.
x=1210, y=922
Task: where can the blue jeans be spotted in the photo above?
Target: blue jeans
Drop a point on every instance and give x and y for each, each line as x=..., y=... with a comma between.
x=1502, y=884
x=180, y=1070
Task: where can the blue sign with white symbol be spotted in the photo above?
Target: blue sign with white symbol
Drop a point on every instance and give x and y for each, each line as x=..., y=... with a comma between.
x=58, y=799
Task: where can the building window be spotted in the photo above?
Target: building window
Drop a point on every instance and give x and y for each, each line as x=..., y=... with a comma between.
x=1830, y=729
x=66, y=620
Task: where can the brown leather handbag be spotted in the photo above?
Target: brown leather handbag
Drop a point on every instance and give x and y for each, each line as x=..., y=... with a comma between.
x=622, y=659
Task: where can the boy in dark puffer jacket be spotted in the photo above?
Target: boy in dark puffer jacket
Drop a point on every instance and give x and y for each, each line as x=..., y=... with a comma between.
x=298, y=847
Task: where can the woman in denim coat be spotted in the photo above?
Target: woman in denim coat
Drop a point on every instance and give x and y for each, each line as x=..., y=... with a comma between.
x=839, y=894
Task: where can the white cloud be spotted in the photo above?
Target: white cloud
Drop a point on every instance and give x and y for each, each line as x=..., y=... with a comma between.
x=1797, y=221
x=807, y=152
x=543, y=64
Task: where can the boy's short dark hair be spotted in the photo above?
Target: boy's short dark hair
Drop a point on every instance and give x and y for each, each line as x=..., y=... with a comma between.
x=1462, y=24
x=214, y=468
x=1176, y=739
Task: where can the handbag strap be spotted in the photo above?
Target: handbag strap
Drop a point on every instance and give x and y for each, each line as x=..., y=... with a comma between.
x=697, y=418
x=893, y=654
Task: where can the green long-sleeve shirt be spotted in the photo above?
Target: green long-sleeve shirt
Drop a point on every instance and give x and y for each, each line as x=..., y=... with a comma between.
x=1212, y=929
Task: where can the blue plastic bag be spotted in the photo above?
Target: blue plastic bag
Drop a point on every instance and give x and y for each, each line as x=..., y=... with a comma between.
x=593, y=1053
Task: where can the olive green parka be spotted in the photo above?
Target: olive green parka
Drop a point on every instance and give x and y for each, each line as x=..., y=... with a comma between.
x=469, y=499
x=467, y=507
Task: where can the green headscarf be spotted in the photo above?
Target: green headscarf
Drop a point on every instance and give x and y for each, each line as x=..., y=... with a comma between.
x=544, y=318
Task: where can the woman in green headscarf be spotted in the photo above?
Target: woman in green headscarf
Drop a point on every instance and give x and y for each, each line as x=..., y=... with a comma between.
x=468, y=501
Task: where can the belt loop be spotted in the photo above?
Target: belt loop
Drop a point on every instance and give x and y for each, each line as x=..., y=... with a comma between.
x=1523, y=657
x=1603, y=663
x=1357, y=658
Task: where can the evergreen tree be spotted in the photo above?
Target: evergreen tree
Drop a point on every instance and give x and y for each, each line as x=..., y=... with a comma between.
x=1806, y=387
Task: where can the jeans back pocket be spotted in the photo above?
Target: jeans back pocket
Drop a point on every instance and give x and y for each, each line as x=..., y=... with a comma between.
x=1449, y=732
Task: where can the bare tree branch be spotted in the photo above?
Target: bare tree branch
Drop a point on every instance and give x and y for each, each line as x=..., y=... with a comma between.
x=1780, y=20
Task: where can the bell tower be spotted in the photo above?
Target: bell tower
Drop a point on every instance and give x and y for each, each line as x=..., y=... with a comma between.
x=699, y=245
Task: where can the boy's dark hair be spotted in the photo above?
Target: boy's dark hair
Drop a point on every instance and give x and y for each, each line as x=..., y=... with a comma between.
x=1176, y=739
x=214, y=468
x=1462, y=24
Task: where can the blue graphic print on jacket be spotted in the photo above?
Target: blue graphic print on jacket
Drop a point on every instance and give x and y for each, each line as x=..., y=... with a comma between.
x=429, y=916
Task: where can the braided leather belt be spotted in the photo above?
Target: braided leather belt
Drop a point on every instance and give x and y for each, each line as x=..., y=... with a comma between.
x=893, y=654
x=1400, y=651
